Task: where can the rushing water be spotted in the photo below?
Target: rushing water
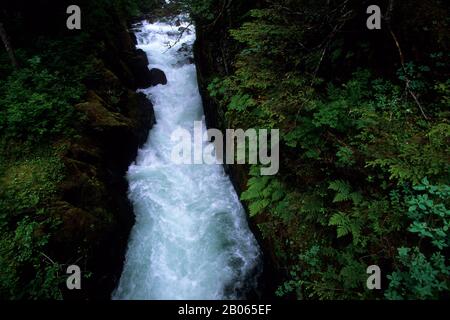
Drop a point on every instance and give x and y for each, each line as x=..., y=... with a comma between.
x=191, y=239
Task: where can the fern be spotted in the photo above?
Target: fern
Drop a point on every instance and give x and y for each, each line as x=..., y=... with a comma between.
x=346, y=225
x=344, y=192
x=262, y=192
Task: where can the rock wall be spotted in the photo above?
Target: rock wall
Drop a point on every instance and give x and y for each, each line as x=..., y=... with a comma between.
x=93, y=207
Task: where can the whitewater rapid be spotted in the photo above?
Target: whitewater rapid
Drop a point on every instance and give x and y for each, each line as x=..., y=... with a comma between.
x=191, y=239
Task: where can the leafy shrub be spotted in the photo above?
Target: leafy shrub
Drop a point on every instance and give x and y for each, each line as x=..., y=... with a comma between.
x=36, y=103
x=421, y=276
x=351, y=152
x=26, y=190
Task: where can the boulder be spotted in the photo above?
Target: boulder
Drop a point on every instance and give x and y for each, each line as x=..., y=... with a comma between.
x=158, y=77
x=185, y=54
x=138, y=64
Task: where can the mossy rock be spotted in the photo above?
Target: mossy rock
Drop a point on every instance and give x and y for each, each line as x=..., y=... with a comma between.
x=100, y=117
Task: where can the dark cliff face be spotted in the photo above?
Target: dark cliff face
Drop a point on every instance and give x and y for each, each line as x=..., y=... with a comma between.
x=214, y=52
x=93, y=206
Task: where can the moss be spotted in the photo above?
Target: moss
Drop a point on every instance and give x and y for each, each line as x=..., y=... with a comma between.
x=28, y=183
x=99, y=116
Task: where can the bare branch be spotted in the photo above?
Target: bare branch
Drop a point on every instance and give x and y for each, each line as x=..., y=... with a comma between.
x=387, y=18
x=179, y=37
x=226, y=5
x=8, y=46
x=407, y=80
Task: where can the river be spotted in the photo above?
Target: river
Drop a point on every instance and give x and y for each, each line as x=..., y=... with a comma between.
x=191, y=239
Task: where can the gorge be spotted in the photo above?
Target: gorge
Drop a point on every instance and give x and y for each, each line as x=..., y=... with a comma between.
x=360, y=174
x=191, y=239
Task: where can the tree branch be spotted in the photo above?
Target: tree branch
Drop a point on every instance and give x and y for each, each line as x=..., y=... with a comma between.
x=179, y=37
x=8, y=46
x=387, y=18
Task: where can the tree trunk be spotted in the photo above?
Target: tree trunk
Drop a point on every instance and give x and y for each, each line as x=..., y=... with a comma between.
x=8, y=47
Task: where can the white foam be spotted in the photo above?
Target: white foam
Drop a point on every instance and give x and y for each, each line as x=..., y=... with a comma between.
x=191, y=239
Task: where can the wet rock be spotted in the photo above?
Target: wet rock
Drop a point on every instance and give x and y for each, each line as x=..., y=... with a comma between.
x=100, y=118
x=125, y=40
x=133, y=37
x=138, y=64
x=158, y=77
x=94, y=209
x=129, y=64
x=186, y=55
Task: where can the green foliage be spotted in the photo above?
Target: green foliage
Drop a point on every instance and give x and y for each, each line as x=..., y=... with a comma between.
x=354, y=145
x=344, y=193
x=37, y=115
x=202, y=10
x=345, y=225
x=431, y=219
x=35, y=103
x=419, y=275
x=28, y=182
x=367, y=140
x=262, y=192
x=26, y=189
